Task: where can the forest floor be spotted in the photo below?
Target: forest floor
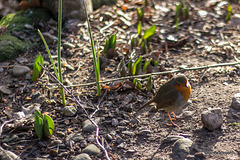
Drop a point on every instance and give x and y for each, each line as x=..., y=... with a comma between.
x=202, y=39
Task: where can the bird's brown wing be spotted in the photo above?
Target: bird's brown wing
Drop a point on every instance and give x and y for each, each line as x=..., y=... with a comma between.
x=166, y=99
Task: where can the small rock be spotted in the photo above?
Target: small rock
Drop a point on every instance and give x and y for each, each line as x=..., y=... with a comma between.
x=88, y=126
x=129, y=133
x=60, y=133
x=91, y=150
x=68, y=46
x=8, y=155
x=172, y=138
x=19, y=71
x=109, y=137
x=82, y=156
x=76, y=137
x=41, y=144
x=182, y=148
x=200, y=155
x=187, y=114
x=50, y=39
x=119, y=140
x=144, y=132
x=236, y=101
x=63, y=154
x=28, y=76
x=212, y=119
x=4, y=89
x=190, y=157
x=115, y=122
x=91, y=138
x=83, y=144
x=56, y=142
x=69, y=111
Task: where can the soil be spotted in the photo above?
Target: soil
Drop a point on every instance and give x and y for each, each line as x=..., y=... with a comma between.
x=199, y=41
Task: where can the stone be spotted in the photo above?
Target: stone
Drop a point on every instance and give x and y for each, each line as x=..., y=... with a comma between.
x=8, y=155
x=91, y=150
x=212, y=119
x=144, y=132
x=76, y=137
x=187, y=114
x=69, y=111
x=4, y=89
x=49, y=38
x=171, y=139
x=236, y=101
x=19, y=71
x=88, y=126
x=182, y=148
x=42, y=144
x=115, y=122
x=82, y=156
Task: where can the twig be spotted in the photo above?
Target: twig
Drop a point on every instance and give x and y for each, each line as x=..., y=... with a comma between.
x=157, y=73
x=78, y=102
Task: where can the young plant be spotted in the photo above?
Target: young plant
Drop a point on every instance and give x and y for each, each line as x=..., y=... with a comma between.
x=110, y=43
x=229, y=13
x=43, y=125
x=181, y=12
x=58, y=72
x=149, y=83
x=140, y=14
x=137, y=84
x=134, y=67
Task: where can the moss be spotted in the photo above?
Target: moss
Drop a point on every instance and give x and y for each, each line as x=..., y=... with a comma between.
x=11, y=47
x=16, y=21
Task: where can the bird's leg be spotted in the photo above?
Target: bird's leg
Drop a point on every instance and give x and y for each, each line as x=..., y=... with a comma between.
x=176, y=117
x=173, y=124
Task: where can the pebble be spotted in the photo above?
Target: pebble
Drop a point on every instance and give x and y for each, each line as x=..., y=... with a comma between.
x=8, y=155
x=88, y=126
x=19, y=71
x=172, y=138
x=119, y=140
x=236, y=101
x=42, y=144
x=60, y=133
x=69, y=111
x=91, y=150
x=129, y=133
x=181, y=148
x=200, y=155
x=115, y=122
x=82, y=156
x=144, y=132
x=76, y=137
x=187, y=114
x=109, y=137
x=212, y=119
x=83, y=144
x=4, y=89
x=56, y=142
x=91, y=138
x=50, y=39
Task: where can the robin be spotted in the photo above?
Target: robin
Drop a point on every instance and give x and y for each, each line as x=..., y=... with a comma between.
x=172, y=95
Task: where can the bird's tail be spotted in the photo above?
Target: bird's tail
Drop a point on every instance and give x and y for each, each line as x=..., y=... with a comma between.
x=146, y=104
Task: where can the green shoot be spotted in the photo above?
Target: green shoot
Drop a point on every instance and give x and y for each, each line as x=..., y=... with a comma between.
x=95, y=56
x=140, y=14
x=149, y=83
x=36, y=68
x=137, y=84
x=122, y=70
x=148, y=33
x=181, y=12
x=139, y=29
x=43, y=125
x=137, y=66
x=229, y=12
x=146, y=65
x=110, y=43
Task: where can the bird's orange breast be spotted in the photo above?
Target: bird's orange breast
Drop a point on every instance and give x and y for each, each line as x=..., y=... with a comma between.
x=184, y=90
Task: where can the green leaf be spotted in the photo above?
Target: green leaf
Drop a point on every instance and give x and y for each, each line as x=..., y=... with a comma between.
x=148, y=33
x=106, y=47
x=136, y=69
x=112, y=41
x=149, y=83
x=38, y=123
x=139, y=86
x=130, y=68
x=177, y=22
x=146, y=65
x=139, y=28
x=122, y=68
x=143, y=48
x=36, y=68
x=48, y=126
x=229, y=9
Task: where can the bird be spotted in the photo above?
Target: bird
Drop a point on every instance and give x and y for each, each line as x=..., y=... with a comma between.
x=171, y=96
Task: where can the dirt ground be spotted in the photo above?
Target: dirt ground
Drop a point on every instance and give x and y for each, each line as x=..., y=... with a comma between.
x=202, y=39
